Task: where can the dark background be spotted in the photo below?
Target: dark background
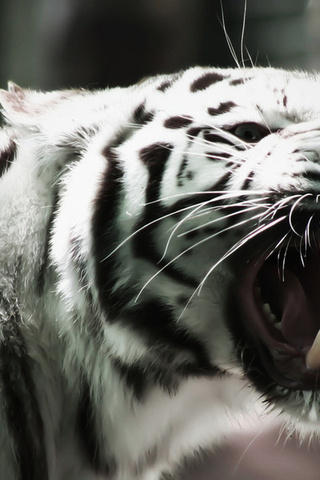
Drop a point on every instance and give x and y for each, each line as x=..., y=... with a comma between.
x=96, y=43
x=50, y=44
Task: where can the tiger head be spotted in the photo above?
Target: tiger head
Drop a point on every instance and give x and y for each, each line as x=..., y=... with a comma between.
x=174, y=224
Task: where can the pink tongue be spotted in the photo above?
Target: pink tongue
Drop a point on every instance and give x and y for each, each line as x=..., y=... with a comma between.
x=296, y=309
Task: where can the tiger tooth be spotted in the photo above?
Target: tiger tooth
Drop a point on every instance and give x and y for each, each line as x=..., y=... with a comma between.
x=313, y=355
x=278, y=326
x=268, y=313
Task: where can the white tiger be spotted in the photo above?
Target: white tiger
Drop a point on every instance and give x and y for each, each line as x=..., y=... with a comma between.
x=159, y=258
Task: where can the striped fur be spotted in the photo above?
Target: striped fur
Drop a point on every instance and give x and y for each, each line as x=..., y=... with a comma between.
x=127, y=218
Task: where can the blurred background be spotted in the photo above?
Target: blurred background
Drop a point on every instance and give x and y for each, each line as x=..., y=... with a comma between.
x=96, y=43
x=49, y=44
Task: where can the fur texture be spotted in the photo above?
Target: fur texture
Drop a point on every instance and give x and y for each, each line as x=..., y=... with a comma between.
x=135, y=224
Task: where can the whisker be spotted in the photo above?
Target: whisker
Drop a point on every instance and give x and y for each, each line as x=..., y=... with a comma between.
x=176, y=227
x=187, y=250
x=274, y=208
x=212, y=155
x=285, y=256
x=300, y=251
x=239, y=244
x=189, y=217
x=275, y=248
x=228, y=39
x=222, y=195
x=301, y=197
x=236, y=142
x=245, y=210
x=230, y=252
x=156, y=220
x=242, y=33
x=307, y=234
x=250, y=58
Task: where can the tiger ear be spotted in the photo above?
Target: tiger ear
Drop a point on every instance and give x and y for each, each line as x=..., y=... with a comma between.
x=28, y=107
x=13, y=99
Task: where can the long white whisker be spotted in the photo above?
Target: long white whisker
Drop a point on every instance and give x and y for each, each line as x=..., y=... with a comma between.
x=211, y=155
x=274, y=208
x=237, y=142
x=189, y=216
x=275, y=248
x=239, y=244
x=302, y=197
x=300, y=251
x=229, y=43
x=242, y=33
x=176, y=228
x=285, y=256
x=250, y=58
x=245, y=210
x=222, y=148
x=222, y=195
x=156, y=220
x=307, y=234
x=230, y=252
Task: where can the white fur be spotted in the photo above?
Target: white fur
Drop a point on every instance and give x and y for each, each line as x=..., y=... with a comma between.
x=152, y=435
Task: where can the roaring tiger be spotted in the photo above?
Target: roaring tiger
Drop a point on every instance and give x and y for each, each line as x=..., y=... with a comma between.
x=159, y=260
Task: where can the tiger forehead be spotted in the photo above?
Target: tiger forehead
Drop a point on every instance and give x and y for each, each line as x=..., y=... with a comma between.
x=257, y=94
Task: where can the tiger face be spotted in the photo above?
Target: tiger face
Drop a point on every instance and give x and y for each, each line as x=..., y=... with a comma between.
x=169, y=231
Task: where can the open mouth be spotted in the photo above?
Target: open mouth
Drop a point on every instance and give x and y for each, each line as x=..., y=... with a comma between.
x=279, y=297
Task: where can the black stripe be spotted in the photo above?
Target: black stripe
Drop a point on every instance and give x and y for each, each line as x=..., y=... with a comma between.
x=88, y=433
x=214, y=138
x=141, y=116
x=248, y=180
x=285, y=101
x=166, y=84
x=214, y=156
x=309, y=175
x=21, y=406
x=224, y=107
x=223, y=182
x=177, y=122
x=138, y=376
x=240, y=81
x=182, y=169
x=134, y=375
x=7, y=157
x=106, y=237
x=206, y=80
x=204, y=197
x=194, y=131
x=154, y=157
x=157, y=321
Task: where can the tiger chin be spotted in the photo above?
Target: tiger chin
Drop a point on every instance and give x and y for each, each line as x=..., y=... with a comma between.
x=159, y=268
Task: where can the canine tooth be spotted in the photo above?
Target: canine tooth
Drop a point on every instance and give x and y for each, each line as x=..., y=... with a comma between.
x=313, y=356
x=268, y=313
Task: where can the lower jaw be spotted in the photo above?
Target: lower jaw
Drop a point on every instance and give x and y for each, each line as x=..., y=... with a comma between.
x=287, y=368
